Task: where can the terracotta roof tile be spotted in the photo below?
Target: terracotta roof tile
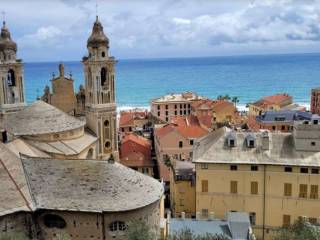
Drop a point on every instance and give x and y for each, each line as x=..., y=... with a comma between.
x=137, y=139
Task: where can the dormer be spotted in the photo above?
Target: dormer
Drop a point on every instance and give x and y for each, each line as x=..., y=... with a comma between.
x=250, y=140
x=231, y=139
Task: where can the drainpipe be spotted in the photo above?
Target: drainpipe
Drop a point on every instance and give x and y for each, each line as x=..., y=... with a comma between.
x=264, y=201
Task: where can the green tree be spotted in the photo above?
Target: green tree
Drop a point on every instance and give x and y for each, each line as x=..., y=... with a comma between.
x=139, y=230
x=301, y=229
x=235, y=100
x=187, y=234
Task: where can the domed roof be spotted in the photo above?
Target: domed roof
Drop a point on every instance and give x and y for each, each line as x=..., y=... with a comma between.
x=6, y=42
x=41, y=118
x=97, y=37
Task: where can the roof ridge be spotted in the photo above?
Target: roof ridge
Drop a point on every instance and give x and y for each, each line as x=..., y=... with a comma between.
x=16, y=185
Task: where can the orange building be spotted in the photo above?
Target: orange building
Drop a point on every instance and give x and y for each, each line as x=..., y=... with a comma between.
x=135, y=152
x=133, y=120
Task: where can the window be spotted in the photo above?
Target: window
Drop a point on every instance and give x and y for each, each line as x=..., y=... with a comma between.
x=204, y=186
x=185, y=112
x=283, y=128
x=181, y=202
x=314, y=192
x=54, y=221
x=103, y=54
x=107, y=144
x=233, y=167
x=184, y=105
x=231, y=143
x=304, y=170
x=315, y=122
x=103, y=76
x=166, y=107
x=167, y=113
x=204, y=213
x=175, y=106
x=273, y=128
x=254, y=168
x=130, y=129
x=106, y=123
x=180, y=112
x=303, y=191
x=167, y=119
x=117, y=226
x=313, y=143
x=252, y=217
x=287, y=189
x=158, y=107
x=191, y=142
x=288, y=169
x=158, y=114
x=11, y=79
x=176, y=113
x=233, y=187
x=180, y=105
x=315, y=171
x=254, y=188
x=204, y=166
x=180, y=144
x=286, y=220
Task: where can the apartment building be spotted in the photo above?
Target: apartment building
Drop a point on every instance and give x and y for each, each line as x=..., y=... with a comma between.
x=274, y=177
x=172, y=105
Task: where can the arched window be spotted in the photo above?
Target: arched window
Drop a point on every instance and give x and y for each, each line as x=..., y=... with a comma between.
x=117, y=226
x=103, y=76
x=103, y=54
x=54, y=221
x=11, y=79
x=107, y=144
x=106, y=123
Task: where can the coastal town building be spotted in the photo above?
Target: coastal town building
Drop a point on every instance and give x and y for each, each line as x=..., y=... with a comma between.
x=183, y=189
x=57, y=177
x=62, y=96
x=12, y=96
x=282, y=120
x=270, y=103
x=214, y=113
x=135, y=152
x=274, y=177
x=315, y=101
x=169, y=106
x=235, y=227
x=133, y=121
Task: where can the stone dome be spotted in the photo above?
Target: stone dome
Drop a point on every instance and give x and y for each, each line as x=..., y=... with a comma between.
x=6, y=42
x=97, y=37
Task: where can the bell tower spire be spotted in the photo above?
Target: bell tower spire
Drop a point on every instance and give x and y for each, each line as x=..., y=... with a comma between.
x=100, y=91
x=11, y=75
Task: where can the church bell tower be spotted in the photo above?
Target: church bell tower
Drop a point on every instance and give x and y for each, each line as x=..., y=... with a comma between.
x=100, y=92
x=11, y=76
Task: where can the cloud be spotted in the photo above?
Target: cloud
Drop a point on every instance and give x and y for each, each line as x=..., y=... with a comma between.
x=165, y=28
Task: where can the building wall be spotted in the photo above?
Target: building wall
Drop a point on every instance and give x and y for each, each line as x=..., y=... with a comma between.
x=63, y=96
x=96, y=226
x=167, y=110
x=315, y=101
x=269, y=204
x=227, y=113
x=182, y=197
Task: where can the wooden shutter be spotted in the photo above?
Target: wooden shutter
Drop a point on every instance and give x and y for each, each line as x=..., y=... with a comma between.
x=254, y=187
x=204, y=185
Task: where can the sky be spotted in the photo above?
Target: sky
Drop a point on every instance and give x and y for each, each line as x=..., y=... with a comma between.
x=56, y=30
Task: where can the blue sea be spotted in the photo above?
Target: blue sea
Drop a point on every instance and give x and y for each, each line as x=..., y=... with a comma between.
x=247, y=77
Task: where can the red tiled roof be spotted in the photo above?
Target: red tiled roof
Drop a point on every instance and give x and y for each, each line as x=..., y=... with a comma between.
x=136, y=159
x=205, y=120
x=274, y=99
x=253, y=124
x=136, y=139
x=126, y=119
x=188, y=127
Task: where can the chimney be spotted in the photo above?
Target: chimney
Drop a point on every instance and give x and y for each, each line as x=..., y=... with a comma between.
x=183, y=215
x=265, y=140
x=211, y=216
x=198, y=216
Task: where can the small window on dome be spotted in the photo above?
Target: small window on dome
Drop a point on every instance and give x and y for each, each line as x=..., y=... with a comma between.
x=117, y=226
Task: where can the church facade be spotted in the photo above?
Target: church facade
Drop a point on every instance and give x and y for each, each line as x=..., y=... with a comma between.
x=59, y=173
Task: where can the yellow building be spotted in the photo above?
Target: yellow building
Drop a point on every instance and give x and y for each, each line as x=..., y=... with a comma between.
x=183, y=189
x=272, y=176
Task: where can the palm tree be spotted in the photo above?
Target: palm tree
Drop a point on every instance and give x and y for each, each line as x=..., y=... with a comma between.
x=235, y=100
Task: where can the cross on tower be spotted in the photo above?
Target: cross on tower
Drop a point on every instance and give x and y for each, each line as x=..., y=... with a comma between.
x=96, y=7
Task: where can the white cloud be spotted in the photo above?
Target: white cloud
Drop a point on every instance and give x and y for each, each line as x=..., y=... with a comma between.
x=165, y=28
